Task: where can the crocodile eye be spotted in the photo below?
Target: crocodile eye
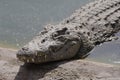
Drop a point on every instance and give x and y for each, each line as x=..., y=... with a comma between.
x=67, y=32
x=61, y=38
x=25, y=49
x=54, y=35
x=62, y=31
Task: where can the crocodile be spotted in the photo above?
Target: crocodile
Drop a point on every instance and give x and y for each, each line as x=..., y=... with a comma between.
x=75, y=36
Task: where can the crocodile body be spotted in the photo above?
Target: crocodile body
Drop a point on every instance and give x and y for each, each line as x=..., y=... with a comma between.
x=76, y=36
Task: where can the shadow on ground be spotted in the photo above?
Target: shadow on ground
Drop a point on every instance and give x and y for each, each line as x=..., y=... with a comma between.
x=36, y=71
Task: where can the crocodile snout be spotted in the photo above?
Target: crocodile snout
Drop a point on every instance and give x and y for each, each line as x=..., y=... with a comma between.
x=31, y=56
x=52, y=46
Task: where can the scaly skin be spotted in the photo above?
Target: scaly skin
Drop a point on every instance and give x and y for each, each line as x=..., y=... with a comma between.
x=76, y=36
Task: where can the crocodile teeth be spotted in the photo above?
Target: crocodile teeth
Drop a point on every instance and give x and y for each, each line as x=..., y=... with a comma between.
x=28, y=60
x=33, y=60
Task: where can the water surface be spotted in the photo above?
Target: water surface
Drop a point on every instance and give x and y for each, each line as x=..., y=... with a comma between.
x=108, y=52
x=20, y=20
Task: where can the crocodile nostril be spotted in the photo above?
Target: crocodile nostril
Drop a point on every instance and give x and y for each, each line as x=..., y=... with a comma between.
x=43, y=41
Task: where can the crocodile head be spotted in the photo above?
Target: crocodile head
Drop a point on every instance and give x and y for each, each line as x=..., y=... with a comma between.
x=51, y=44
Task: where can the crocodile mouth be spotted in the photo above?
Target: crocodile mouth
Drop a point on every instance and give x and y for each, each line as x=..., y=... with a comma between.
x=30, y=56
x=53, y=53
x=36, y=56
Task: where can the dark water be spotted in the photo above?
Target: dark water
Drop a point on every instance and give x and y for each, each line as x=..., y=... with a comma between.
x=20, y=20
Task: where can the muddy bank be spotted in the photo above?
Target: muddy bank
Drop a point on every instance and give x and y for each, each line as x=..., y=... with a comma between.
x=12, y=69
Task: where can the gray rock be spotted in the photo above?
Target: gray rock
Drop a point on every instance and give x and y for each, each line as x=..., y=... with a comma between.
x=13, y=69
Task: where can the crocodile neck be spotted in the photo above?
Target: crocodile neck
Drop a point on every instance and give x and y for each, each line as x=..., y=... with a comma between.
x=97, y=21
